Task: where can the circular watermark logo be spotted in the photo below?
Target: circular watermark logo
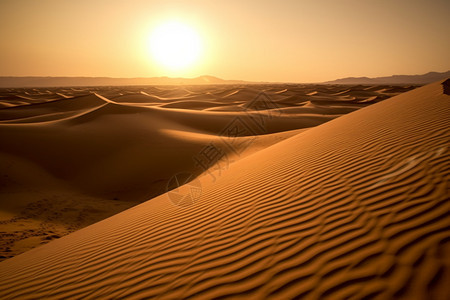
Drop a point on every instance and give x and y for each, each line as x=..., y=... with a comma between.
x=183, y=190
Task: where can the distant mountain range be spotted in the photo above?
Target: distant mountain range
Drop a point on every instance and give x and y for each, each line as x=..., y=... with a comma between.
x=108, y=81
x=31, y=81
x=395, y=79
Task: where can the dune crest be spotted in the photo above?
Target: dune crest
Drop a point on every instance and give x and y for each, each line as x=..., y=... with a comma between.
x=353, y=208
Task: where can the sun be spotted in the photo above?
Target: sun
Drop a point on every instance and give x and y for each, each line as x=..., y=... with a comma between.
x=175, y=45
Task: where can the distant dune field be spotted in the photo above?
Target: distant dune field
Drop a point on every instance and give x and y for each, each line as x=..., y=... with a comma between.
x=239, y=191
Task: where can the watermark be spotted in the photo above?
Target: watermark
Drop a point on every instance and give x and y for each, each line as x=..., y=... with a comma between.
x=407, y=164
x=184, y=189
x=213, y=159
x=232, y=135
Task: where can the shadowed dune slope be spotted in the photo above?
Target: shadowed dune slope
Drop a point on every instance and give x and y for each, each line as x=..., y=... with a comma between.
x=356, y=208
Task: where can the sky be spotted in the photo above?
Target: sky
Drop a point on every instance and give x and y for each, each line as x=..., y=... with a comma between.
x=257, y=40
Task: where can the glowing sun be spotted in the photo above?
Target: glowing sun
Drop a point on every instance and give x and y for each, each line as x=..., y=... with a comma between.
x=175, y=45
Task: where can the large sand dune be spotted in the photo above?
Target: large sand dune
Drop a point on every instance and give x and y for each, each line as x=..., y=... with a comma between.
x=355, y=208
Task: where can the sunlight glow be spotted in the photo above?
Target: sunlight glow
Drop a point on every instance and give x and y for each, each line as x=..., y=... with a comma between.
x=175, y=46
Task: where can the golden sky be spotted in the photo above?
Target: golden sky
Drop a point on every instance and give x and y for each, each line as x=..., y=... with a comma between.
x=260, y=40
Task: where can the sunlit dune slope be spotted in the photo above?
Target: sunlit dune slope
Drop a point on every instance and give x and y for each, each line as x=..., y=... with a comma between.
x=354, y=208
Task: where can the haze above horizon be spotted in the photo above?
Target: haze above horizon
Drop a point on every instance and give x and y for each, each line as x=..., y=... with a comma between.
x=266, y=40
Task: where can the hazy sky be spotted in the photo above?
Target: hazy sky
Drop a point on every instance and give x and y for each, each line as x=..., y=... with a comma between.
x=262, y=40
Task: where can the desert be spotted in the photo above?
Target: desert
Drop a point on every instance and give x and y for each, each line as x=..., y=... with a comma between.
x=326, y=191
x=258, y=149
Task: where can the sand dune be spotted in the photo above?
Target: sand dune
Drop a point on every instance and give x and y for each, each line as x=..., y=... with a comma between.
x=355, y=208
x=78, y=155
